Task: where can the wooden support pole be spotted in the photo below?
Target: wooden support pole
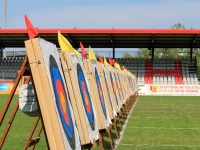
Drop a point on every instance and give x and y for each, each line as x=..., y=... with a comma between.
x=38, y=134
x=20, y=74
x=31, y=133
x=9, y=124
x=108, y=130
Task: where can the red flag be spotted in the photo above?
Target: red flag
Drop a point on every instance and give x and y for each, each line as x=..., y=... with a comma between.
x=111, y=61
x=123, y=68
x=32, y=32
x=84, y=53
x=101, y=60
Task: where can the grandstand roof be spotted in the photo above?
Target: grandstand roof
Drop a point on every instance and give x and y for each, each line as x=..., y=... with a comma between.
x=109, y=38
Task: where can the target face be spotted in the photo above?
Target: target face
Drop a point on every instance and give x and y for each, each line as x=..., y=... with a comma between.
x=120, y=86
x=85, y=97
x=108, y=89
x=100, y=91
x=62, y=102
x=117, y=85
x=114, y=89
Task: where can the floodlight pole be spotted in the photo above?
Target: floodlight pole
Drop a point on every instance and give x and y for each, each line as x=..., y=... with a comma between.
x=5, y=14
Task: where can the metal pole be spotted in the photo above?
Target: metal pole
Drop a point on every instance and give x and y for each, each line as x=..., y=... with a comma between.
x=152, y=54
x=113, y=53
x=5, y=14
x=191, y=54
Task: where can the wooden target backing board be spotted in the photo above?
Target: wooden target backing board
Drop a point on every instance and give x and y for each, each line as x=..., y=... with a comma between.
x=52, y=95
x=105, y=90
x=108, y=90
x=118, y=91
x=135, y=83
x=79, y=92
x=130, y=80
x=112, y=88
x=121, y=79
x=126, y=86
x=102, y=113
x=119, y=85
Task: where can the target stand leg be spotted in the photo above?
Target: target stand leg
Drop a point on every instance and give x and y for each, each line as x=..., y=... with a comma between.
x=118, y=117
x=115, y=127
x=108, y=130
x=101, y=142
x=89, y=146
x=121, y=112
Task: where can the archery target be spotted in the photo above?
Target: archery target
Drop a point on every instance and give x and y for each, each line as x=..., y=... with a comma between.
x=100, y=94
x=60, y=95
x=114, y=88
x=116, y=75
x=120, y=83
x=108, y=90
x=130, y=85
x=84, y=92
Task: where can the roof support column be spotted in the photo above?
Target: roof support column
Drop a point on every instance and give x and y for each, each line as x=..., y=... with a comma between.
x=113, y=53
x=1, y=52
x=191, y=54
x=152, y=53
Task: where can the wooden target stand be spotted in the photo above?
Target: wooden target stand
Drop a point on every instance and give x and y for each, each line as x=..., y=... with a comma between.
x=24, y=71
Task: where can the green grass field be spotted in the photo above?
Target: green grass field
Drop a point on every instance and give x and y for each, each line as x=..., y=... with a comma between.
x=20, y=128
x=156, y=123
x=159, y=123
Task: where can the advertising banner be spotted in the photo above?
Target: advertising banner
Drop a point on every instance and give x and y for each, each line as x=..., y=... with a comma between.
x=173, y=90
x=6, y=88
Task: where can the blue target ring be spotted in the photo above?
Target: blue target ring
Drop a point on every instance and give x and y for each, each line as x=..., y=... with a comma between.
x=100, y=93
x=121, y=87
x=117, y=85
x=85, y=97
x=114, y=90
x=62, y=102
x=108, y=89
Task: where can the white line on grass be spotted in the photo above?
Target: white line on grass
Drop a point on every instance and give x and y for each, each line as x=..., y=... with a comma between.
x=160, y=128
x=162, y=118
x=124, y=126
x=185, y=107
x=163, y=145
x=161, y=107
x=155, y=111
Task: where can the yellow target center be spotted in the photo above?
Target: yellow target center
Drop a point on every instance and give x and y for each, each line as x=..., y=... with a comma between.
x=63, y=102
x=86, y=97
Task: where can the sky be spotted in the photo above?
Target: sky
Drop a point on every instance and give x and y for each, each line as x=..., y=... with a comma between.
x=134, y=14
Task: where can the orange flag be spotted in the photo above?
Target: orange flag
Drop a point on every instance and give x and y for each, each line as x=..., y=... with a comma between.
x=32, y=32
x=101, y=59
x=84, y=53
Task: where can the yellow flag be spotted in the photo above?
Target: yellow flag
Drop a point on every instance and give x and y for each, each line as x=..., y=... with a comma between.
x=91, y=54
x=116, y=65
x=65, y=45
x=105, y=62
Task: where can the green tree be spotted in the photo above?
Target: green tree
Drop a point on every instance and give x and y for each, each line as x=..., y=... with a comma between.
x=143, y=53
x=127, y=55
x=178, y=26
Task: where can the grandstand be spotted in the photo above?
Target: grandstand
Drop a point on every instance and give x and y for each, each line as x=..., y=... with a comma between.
x=9, y=67
x=158, y=71
x=162, y=71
